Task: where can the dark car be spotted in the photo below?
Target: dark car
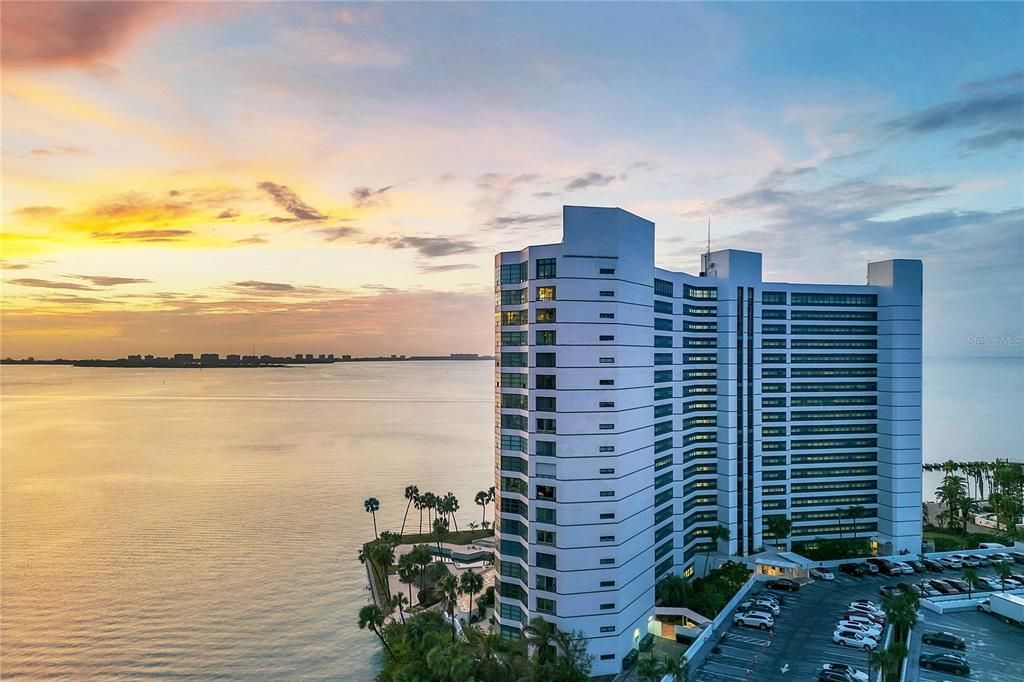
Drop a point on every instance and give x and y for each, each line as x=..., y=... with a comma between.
x=1017, y=556
x=885, y=566
x=909, y=587
x=888, y=590
x=918, y=566
x=784, y=584
x=932, y=565
x=943, y=587
x=960, y=585
x=952, y=663
x=944, y=639
x=856, y=570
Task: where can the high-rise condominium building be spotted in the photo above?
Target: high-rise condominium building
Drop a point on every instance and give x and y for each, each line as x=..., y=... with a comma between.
x=637, y=408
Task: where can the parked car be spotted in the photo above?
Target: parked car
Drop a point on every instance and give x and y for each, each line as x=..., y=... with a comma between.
x=849, y=670
x=918, y=566
x=909, y=587
x=872, y=631
x=951, y=562
x=867, y=605
x=762, y=621
x=1017, y=578
x=784, y=584
x=944, y=639
x=883, y=566
x=966, y=560
x=1001, y=557
x=861, y=617
x=957, y=584
x=1017, y=556
x=981, y=559
x=855, y=639
x=989, y=583
x=949, y=662
x=985, y=606
x=904, y=568
x=760, y=604
x=822, y=574
x=943, y=587
x=856, y=570
x=932, y=565
x=772, y=596
x=887, y=590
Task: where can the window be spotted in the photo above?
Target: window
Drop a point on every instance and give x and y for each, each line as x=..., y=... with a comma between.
x=513, y=443
x=662, y=341
x=546, y=268
x=546, y=492
x=662, y=288
x=606, y=516
x=545, y=537
x=664, y=307
x=607, y=538
x=607, y=562
x=606, y=382
x=513, y=380
x=773, y=329
x=545, y=605
x=606, y=448
x=545, y=404
x=606, y=427
x=547, y=561
x=545, y=293
x=663, y=358
x=607, y=493
x=545, y=515
x=700, y=293
x=606, y=403
x=607, y=607
x=514, y=401
x=774, y=314
x=512, y=274
x=662, y=375
x=608, y=628
x=513, y=317
x=662, y=324
x=546, y=448
x=661, y=428
x=773, y=297
x=543, y=360
x=700, y=310
x=513, y=359
x=835, y=299
x=513, y=338
x=607, y=657
x=545, y=337
x=663, y=410
x=513, y=421
x=607, y=293
x=546, y=382
x=545, y=426
x=606, y=337
x=663, y=393
x=607, y=316
x=545, y=315
x=607, y=471
x=606, y=361
x=607, y=271
x=834, y=329
x=547, y=583
x=512, y=297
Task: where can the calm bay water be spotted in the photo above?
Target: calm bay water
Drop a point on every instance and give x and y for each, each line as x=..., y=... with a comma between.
x=187, y=523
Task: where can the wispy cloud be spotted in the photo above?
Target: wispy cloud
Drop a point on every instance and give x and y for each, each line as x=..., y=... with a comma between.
x=37, y=212
x=591, y=179
x=287, y=199
x=227, y=214
x=432, y=247
x=365, y=197
x=49, y=284
x=424, y=267
x=110, y=281
x=255, y=239
x=255, y=285
x=516, y=220
x=46, y=152
x=333, y=234
x=144, y=235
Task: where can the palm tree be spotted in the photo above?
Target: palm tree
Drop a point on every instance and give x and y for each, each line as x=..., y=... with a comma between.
x=422, y=557
x=715, y=534
x=451, y=506
x=951, y=494
x=854, y=513
x=430, y=502
x=364, y=556
x=418, y=503
x=540, y=634
x=471, y=583
x=397, y=602
x=482, y=498
x=449, y=586
x=779, y=526
x=649, y=669
x=971, y=578
x=372, y=505
x=1004, y=571
x=370, y=617
x=888, y=660
x=676, y=668
x=672, y=590
x=901, y=612
x=383, y=555
x=411, y=493
x=440, y=531
x=407, y=571
x=491, y=497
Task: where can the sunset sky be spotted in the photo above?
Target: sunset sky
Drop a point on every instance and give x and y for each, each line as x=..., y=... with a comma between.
x=337, y=177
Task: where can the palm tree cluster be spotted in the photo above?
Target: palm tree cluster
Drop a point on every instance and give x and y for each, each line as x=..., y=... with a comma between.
x=1003, y=480
x=427, y=649
x=651, y=669
x=901, y=612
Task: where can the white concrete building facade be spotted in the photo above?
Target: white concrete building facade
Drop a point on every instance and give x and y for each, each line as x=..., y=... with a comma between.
x=637, y=408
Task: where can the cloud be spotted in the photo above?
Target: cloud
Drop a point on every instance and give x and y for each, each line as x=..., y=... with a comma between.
x=255, y=239
x=35, y=212
x=71, y=34
x=523, y=219
x=432, y=247
x=227, y=214
x=57, y=151
x=144, y=235
x=446, y=268
x=11, y=265
x=49, y=284
x=364, y=197
x=287, y=199
x=546, y=195
x=591, y=179
x=254, y=285
x=994, y=106
x=108, y=281
x=333, y=234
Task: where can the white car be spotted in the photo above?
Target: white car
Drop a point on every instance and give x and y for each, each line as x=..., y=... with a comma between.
x=872, y=631
x=966, y=560
x=864, y=619
x=822, y=574
x=905, y=568
x=867, y=605
x=849, y=670
x=754, y=620
x=951, y=562
x=760, y=605
x=988, y=583
x=855, y=639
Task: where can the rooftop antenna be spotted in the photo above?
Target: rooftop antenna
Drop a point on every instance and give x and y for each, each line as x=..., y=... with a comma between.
x=708, y=267
x=709, y=237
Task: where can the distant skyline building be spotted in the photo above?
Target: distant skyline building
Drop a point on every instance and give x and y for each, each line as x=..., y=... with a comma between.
x=638, y=407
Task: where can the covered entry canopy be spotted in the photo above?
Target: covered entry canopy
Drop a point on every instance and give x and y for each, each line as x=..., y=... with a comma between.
x=781, y=564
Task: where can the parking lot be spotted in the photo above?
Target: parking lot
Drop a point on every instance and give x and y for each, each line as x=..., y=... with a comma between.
x=802, y=639
x=994, y=648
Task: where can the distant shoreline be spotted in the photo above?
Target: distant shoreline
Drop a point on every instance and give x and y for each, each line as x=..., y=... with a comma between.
x=254, y=363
